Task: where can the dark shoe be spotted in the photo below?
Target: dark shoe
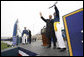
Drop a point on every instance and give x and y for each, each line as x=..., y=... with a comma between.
x=23, y=43
x=29, y=42
x=62, y=49
x=54, y=47
x=58, y=48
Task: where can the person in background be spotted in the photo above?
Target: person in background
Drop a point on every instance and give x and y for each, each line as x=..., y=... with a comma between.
x=24, y=35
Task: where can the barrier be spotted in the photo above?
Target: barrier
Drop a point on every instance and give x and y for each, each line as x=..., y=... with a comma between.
x=10, y=52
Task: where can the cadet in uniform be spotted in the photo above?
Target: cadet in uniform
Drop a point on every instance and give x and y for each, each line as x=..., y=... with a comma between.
x=24, y=35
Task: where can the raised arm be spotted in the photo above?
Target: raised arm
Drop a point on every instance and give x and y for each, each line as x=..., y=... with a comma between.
x=56, y=11
x=42, y=17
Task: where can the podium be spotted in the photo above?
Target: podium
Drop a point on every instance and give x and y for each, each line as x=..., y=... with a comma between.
x=44, y=38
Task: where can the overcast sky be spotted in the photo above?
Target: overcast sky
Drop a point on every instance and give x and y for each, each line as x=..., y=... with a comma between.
x=27, y=13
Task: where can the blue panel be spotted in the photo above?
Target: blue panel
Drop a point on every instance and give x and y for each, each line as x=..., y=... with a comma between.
x=75, y=25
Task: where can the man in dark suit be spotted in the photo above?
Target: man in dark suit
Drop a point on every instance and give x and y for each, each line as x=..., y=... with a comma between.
x=29, y=36
x=50, y=33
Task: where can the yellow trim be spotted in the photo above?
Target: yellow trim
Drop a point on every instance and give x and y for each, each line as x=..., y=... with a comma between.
x=55, y=25
x=66, y=29
x=74, y=12
x=68, y=38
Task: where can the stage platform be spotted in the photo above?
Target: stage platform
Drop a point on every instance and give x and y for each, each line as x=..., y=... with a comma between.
x=37, y=48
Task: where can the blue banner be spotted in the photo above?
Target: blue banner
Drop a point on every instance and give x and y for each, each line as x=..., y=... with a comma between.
x=73, y=23
x=15, y=33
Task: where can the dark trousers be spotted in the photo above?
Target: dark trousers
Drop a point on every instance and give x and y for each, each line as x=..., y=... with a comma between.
x=50, y=35
x=29, y=40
